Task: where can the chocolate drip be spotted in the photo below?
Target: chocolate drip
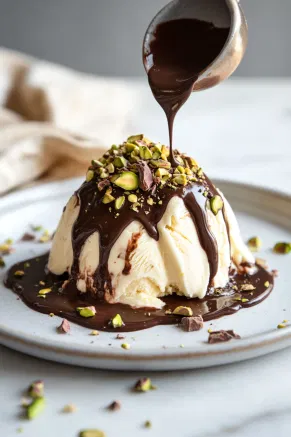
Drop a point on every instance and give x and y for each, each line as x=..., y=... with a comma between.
x=63, y=302
x=178, y=53
x=96, y=216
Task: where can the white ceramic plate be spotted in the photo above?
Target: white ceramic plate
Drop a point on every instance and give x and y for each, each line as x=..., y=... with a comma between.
x=260, y=212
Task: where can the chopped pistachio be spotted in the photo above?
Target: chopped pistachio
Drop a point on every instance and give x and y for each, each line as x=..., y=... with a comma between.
x=86, y=311
x=110, y=168
x=281, y=326
x=180, y=169
x=148, y=424
x=127, y=180
x=188, y=171
x=119, y=161
x=145, y=153
x=160, y=163
x=283, y=248
x=36, y=389
x=117, y=321
x=114, y=147
x=89, y=175
x=119, y=202
x=199, y=172
x=108, y=198
x=9, y=241
x=156, y=155
x=160, y=202
x=134, y=138
x=183, y=311
x=94, y=332
x=165, y=151
x=44, y=238
x=245, y=300
x=161, y=172
x=44, y=291
x=36, y=228
x=51, y=314
x=35, y=408
x=216, y=204
x=144, y=385
x=267, y=284
x=130, y=147
x=2, y=262
x=96, y=163
x=19, y=273
x=180, y=180
x=254, y=244
x=26, y=265
x=150, y=201
x=92, y=433
x=247, y=287
x=125, y=346
x=132, y=198
x=70, y=408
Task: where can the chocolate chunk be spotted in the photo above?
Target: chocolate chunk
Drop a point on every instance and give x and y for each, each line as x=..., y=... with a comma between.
x=64, y=327
x=103, y=184
x=114, y=406
x=221, y=336
x=145, y=176
x=190, y=324
x=120, y=337
x=27, y=237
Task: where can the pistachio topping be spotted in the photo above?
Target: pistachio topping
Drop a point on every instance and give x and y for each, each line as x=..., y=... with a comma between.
x=132, y=198
x=70, y=408
x=86, y=311
x=19, y=273
x=148, y=424
x=183, y=311
x=127, y=181
x=125, y=346
x=216, y=204
x=283, y=248
x=89, y=175
x=44, y=291
x=35, y=408
x=36, y=389
x=144, y=385
x=92, y=433
x=119, y=202
x=247, y=287
x=254, y=244
x=117, y=321
x=2, y=262
x=267, y=284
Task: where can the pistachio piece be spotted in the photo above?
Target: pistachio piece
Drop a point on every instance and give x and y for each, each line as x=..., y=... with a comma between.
x=148, y=424
x=180, y=180
x=145, y=152
x=119, y=202
x=144, y=385
x=267, y=284
x=125, y=346
x=36, y=389
x=160, y=172
x=94, y=333
x=247, y=287
x=165, y=151
x=119, y=161
x=134, y=138
x=254, y=244
x=156, y=155
x=127, y=180
x=117, y=321
x=110, y=168
x=35, y=408
x=86, y=311
x=92, y=433
x=282, y=248
x=44, y=291
x=89, y=175
x=19, y=273
x=216, y=204
x=132, y=198
x=2, y=262
x=183, y=311
x=150, y=201
x=108, y=198
x=281, y=326
x=96, y=163
x=129, y=147
x=70, y=408
x=180, y=169
x=200, y=172
x=160, y=163
x=36, y=228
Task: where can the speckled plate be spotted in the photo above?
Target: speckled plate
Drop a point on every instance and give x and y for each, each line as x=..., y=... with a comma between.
x=260, y=212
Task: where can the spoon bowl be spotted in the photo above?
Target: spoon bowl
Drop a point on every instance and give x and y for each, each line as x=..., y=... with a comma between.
x=223, y=14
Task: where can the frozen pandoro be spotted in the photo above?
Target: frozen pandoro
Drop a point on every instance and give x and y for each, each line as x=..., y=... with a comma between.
x=139, y=229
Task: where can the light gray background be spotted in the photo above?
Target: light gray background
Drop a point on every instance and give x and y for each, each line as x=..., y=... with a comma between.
x=105, y=36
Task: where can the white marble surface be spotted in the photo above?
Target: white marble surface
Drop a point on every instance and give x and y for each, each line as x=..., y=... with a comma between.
x=240, y=131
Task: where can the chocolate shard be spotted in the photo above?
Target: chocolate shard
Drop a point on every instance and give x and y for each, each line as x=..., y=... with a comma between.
x=190, y=324
x=27, y=237
x=103, y=184
x=146, y=179
x=222, y=336
x=64, y=327
x=114, y=406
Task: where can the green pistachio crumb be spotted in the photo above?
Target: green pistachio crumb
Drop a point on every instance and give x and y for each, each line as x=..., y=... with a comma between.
x=26, y=265
x=2, y=263
x=19, y=273
x=200, y=172
x=117, y=321
x=89, y=175
x=35, y=408
x=94, y=332
x=145, y=153
x=216, y=204
x=119, y=202
x=281, y=326
x=150, y=201
x=125, y=346
x=134, y=138
x=148, y=424
x=86, y=311
x=97, y=163
x=36, y=228
x=183, y=311
x=254, y=244
x=267, y=284
x=245, y=300
x=44, y=291
x=160, y=202
x=282, y=248
x=92, y=433
x=180, y=180
x=127, y=180
x=144, y=385
x=36, y=389
x=110, y=167
x=181, y=169
x=119, y=161
x=132, y=198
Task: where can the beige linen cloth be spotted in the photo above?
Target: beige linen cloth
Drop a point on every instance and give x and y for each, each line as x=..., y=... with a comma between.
x=53, y=120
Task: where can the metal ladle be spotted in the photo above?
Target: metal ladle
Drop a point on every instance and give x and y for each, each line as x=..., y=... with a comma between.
x=222, y=13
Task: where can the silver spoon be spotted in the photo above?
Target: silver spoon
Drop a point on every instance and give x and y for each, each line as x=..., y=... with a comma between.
x=222, y=13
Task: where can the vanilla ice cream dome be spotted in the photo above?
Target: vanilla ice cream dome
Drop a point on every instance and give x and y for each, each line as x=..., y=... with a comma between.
x=139, y=229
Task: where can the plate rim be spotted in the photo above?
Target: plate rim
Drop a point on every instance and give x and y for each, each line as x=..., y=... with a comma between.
x=82, y=351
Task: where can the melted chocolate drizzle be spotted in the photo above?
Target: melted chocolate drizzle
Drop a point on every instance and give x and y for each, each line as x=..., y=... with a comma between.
x=178, y=53
x=63, y=302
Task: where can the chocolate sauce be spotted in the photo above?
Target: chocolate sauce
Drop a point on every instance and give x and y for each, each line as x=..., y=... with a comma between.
x=63, y=302
x=178, y=53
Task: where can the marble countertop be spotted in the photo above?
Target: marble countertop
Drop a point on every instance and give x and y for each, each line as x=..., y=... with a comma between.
x=239, y=131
